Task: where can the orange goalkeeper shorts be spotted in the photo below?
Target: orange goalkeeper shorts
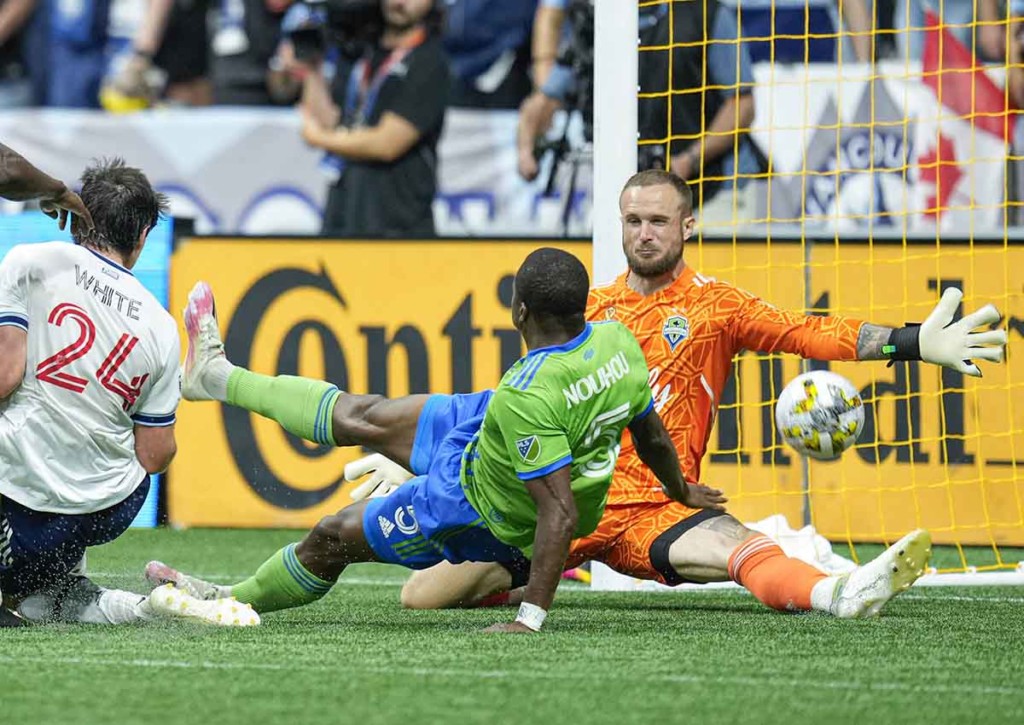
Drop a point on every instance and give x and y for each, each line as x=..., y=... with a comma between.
x=634, y=538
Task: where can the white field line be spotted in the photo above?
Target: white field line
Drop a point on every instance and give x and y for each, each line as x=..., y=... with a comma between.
x=472, y=674
x=575, y=586
x=964, y=598
x=229, y=578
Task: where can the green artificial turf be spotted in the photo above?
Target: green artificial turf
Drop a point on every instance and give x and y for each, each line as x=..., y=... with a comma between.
x=937, y=655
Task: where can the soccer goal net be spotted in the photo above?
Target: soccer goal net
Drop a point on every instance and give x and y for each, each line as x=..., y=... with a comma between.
x=845, y=164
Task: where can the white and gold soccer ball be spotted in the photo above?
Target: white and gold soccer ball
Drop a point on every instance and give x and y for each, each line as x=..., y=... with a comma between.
x=820, y=414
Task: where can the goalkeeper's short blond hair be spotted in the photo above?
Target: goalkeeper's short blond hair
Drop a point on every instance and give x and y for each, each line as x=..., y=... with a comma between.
x=658, y=177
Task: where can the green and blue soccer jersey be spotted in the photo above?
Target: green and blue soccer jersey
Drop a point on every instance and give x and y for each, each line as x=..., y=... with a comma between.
x=558, y=406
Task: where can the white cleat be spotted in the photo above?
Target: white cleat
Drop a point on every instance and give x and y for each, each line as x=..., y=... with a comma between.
x=205, y=348
x=869, y=587
x=169, y=602
x=158, y=574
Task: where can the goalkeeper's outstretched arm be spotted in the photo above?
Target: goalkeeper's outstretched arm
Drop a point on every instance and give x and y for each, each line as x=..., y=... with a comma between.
x=939, y=340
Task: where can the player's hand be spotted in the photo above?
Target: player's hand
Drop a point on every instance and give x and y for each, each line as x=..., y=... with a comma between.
x=952, y=344
x=68, y=203
x=509, y=628
x=131, y=80
x=384, y=476
x=699, y=496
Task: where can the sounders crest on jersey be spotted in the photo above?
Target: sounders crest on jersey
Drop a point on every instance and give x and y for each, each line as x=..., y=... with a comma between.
x=820, y=414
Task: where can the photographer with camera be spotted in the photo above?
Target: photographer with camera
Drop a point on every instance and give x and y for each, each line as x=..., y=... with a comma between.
x=380, y=117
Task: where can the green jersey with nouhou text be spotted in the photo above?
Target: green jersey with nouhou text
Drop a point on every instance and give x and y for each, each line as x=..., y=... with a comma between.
x=558, y=406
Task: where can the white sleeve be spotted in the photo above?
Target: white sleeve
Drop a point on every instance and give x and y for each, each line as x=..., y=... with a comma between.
x=14, y=274
x=159, y=401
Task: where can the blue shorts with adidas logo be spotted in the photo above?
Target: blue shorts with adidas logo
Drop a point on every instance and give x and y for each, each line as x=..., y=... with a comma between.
x=428, y=519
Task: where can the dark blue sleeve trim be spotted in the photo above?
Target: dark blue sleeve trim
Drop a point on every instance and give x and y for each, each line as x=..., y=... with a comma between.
x=560, y=463
x=14, y=320
x=643, y=413
x=154, y=421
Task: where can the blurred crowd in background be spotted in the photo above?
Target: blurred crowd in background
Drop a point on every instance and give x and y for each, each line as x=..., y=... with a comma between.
x=64, y=53
x=372, y=79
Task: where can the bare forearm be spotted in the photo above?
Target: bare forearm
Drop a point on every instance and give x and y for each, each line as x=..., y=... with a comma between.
x=21, y=181
x=13, y=15
x=1016, y=82
x=150, y=35
x=359, y=144
x=858, y=20
x=547, y=29
x=550, y=550
x=871, y=340
x=316, y=98
x=661, y=457
x=732, y=119
x=1015, y=73
x=534, y=120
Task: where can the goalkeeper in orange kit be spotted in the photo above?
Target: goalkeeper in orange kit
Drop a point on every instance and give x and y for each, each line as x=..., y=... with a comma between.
x=690, y=327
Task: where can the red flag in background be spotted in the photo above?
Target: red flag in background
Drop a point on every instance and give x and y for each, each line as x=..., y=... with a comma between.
x=962, y=147
x=960, y=84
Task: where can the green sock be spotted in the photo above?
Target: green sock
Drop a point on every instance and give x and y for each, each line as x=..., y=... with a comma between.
x=302, y=406
x=281, y=582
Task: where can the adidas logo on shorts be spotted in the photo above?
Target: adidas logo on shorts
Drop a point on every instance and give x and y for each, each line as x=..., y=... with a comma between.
x=386, y=527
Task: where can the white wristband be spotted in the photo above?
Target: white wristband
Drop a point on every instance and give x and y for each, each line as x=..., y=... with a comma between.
x=531, y=615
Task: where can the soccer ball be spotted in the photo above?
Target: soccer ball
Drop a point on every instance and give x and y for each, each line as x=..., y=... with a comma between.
x=820, y=414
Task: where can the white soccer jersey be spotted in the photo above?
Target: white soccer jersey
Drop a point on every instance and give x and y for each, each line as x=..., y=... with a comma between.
x=103, y=355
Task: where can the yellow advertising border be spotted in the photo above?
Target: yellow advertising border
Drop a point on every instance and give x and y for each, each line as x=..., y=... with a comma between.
x=396, y=317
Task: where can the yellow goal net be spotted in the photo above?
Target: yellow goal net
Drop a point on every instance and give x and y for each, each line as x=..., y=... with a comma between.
x=856, y=159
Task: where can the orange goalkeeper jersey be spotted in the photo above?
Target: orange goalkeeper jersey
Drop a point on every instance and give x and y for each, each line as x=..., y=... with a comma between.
x=690, y=331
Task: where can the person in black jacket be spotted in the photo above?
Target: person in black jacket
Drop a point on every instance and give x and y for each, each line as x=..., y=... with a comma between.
x=379, y=124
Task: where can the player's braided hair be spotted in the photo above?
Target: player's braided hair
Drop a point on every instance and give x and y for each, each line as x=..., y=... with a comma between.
x=553, y=283
x=122, y=202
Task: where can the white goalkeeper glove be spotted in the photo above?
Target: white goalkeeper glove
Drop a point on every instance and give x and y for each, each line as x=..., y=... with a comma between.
x=385, y=476
x=941, y=341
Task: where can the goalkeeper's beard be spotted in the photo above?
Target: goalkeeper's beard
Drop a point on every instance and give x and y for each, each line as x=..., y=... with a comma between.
x=657, y=266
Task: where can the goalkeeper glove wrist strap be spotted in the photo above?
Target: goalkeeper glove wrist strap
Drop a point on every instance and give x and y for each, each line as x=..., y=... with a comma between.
x=904, y=343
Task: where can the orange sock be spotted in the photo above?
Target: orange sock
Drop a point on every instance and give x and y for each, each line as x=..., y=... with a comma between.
x=777, y=580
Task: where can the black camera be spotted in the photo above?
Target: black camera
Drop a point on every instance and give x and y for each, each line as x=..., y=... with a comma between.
x=350, y=25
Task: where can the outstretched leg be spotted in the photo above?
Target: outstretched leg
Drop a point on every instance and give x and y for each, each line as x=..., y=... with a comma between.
x=76, y=598
x=311, y=409
x=722, y=548
x=445, y=585
x=294, y=576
